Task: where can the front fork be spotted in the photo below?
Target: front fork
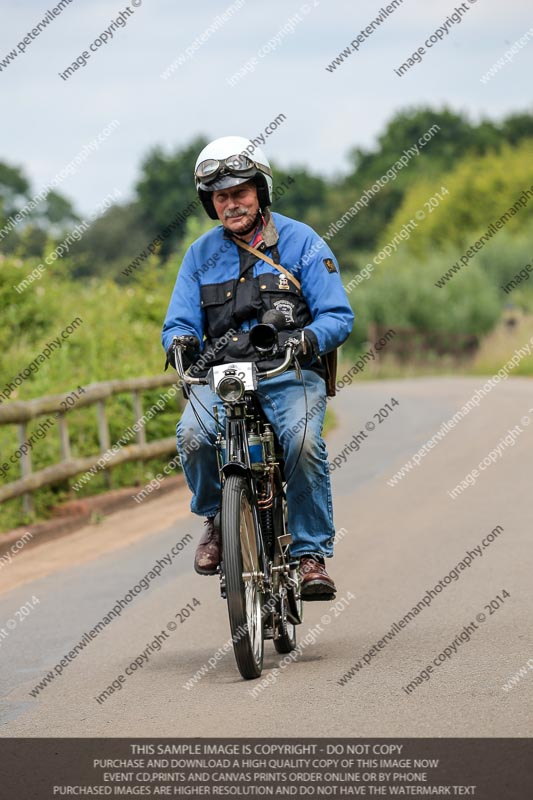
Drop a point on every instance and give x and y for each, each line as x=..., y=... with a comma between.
x=280, y=577
x=238, y=460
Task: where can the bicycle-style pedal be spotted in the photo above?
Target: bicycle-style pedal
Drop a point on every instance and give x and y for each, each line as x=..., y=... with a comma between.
x=284, y=542
x=285, y=539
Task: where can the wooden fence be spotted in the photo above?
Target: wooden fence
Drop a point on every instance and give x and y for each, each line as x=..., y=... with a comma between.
x=20, y=413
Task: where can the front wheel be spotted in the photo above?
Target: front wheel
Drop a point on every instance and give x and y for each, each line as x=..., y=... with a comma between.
x=242, y=568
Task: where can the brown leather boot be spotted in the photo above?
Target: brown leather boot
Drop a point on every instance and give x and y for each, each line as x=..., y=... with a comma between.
x=208, y=552
x=315, y=581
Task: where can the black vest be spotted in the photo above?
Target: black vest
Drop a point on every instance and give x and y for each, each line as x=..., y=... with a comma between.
x=227, y=305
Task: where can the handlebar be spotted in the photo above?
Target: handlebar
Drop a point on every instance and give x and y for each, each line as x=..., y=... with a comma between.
x=283, y=367
x=180, y=370
x=271, y=373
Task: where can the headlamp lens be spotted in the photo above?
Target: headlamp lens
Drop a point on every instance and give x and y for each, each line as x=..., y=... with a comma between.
x=230, y=389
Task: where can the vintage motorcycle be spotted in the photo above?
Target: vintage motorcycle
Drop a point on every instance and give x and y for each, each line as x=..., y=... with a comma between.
x=257, y=576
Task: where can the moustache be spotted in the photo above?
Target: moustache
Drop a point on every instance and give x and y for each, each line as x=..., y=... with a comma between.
x=238, y=212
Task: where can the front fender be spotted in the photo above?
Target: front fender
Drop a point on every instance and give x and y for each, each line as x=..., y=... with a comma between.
x=236, y=468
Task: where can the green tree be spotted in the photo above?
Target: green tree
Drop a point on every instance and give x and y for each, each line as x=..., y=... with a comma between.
x=517, y=127
x=58, y=212
x=111, y=243
x=14, y=189
x=166, y=188
x=298, y=194
x=455, y=138
x=53, y=216
x=401, y=294
x=481, y=189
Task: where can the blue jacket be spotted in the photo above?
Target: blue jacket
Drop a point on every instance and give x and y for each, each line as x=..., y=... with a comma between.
x=216, y=275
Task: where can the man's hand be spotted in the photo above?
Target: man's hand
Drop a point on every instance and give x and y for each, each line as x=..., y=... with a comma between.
x=190, y=347
x=307, y=348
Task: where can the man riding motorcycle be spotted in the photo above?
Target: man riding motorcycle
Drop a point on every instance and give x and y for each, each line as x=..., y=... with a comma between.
x=223, y=286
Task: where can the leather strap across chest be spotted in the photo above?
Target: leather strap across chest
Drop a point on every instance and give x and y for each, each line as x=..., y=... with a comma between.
x=268, y=260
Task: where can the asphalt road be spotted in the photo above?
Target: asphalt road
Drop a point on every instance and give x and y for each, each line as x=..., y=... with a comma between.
x=398, y=542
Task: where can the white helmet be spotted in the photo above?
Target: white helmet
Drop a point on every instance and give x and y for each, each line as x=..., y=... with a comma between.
x=228, y=162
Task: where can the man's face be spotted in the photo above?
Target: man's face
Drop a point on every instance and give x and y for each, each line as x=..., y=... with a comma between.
x=237, y=207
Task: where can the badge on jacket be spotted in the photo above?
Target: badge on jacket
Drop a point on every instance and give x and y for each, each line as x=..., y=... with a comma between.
x=330, y=265
x=286, y=308
x=283, y=282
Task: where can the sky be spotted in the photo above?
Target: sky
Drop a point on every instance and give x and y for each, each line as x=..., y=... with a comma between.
x=47, y=121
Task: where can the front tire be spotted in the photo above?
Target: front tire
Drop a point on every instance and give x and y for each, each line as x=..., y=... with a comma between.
x=242, y=568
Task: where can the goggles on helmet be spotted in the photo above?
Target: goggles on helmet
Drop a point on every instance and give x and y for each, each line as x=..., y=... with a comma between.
x=238, y=165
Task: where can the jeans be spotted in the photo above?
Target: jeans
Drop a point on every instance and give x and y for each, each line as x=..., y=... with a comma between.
x=310, y=507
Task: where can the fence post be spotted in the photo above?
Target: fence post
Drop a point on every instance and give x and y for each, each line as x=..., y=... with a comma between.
x=140, y=435
x=103, y=436
x=25, y=465
x=64, y=443
x=64, y=440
